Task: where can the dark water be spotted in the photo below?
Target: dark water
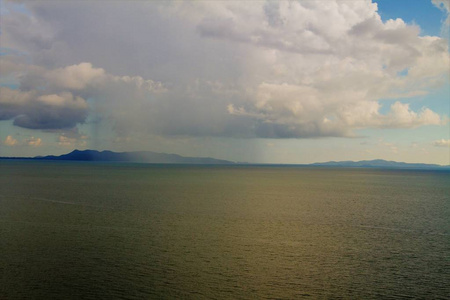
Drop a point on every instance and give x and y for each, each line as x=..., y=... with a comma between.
x=137, y=231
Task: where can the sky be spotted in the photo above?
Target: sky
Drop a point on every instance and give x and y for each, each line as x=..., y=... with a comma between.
x=248, y=81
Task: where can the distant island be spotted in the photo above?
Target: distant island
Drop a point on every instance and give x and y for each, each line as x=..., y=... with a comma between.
x=379, y=163
x=165, y=158
x=139, y=157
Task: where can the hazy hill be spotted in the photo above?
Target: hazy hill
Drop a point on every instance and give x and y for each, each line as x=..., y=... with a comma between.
x=141, y=156
x=379, y=163
x=161, y=158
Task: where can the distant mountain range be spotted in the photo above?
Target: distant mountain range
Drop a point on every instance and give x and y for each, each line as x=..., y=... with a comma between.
x=379, y=163
x=140, y=156
x=164, y=158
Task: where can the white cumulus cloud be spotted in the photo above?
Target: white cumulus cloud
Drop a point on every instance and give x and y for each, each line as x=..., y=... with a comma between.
x=10, y=141
x=285, y=69
x=31, y=141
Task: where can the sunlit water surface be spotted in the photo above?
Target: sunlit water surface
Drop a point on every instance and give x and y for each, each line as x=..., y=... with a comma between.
x=129, y=231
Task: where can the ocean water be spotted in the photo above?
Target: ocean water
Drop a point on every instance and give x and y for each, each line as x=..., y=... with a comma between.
x=130, y=231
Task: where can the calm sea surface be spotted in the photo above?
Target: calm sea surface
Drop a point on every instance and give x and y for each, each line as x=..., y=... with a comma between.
x=72, y=231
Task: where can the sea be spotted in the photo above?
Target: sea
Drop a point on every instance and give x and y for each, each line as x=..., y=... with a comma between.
x=140, y=231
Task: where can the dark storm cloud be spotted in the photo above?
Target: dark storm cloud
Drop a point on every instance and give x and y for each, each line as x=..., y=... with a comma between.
x=33, y=111
x=47, y=117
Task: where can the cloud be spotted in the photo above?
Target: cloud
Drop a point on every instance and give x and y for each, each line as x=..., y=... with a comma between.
x=13, y=101
x=10, y=141
x=56, y=98
x=75, y=77
x=399, y=116
x=287, y=26
x=32, y=141
x=72, y=139
x=443, y=5
x=442, y=143
x=224, y=68
x=31, y=110
x=70, y=142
